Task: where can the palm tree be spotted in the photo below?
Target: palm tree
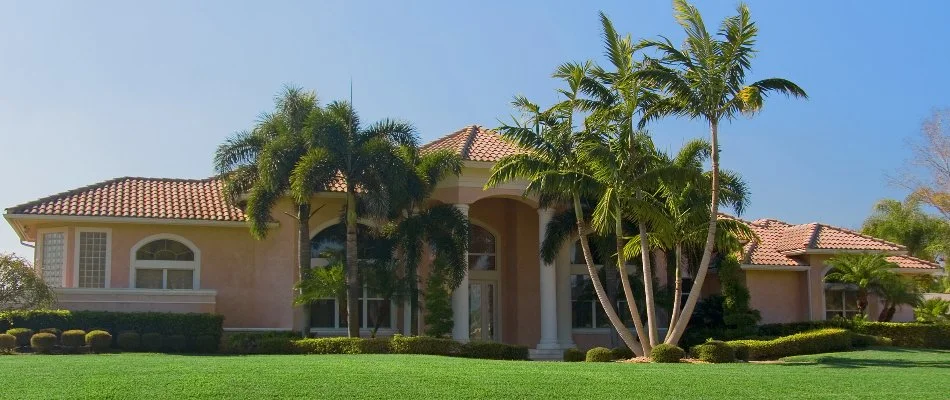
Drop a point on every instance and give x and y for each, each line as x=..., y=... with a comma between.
x=555, y=172
x=259, y=164
x=865, y=271
x=933, y=310
x=896, y=290
x=706, y=79
x=367, y=161
x=925, y=236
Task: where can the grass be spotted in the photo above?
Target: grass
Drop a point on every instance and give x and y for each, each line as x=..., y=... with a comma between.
x=881, y=373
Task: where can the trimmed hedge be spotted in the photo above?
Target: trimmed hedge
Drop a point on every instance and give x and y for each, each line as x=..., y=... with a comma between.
x=814, y=342
x=191, y=325
x=424, y=345
x=151, y=342
x=715, y=351
x=98, y=341
x=935, y=336
x=43, y=342
x=622, y=353
x=494, y=351
x=207, y=344
x=574, y=355
x=54, y=331
x=667, y=353
x=277, y=342
x=335, y=345
x=129, y=341
x=741, y=349
x=600, y=354
x=7, y=343
x=22, y=336
x=73, y=339
x=174, y=343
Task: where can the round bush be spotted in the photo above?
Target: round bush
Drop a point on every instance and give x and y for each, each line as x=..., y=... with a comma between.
x=574, y=355
x=99, y=341
x=600, y=354
x=715, y=351
x=129, y=341
x=175, y=343
x=22, y=336
x=622, y=353
x=151, y=342
x=667, y=353
x=74, y=339
x=742, y=351
x=54, y=331
x=43, y=342
x=206, y=344
x=7, y=343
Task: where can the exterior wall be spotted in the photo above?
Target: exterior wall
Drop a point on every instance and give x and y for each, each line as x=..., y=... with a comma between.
x=781, y=296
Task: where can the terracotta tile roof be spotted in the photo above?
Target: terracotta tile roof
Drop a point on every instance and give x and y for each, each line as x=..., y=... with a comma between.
x=140, y=198
x=832, y=237
x=764, y=251
x=474, y=143
x=913, y=262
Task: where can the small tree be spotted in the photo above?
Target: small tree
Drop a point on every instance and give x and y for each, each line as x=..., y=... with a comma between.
x=20, y=286
x=896, y=290
x=438, y=303
x=866, y=271
x=933, y=310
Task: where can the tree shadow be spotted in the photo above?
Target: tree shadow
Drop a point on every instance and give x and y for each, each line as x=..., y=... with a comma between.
x=842, y=360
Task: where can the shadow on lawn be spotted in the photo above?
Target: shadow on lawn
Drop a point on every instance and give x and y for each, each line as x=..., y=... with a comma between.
x=842, y=360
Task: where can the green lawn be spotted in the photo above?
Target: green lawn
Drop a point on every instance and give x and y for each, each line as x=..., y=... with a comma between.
x=886, y=373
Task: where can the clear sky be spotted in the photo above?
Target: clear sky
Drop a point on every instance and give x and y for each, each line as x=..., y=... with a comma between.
x=95, y=90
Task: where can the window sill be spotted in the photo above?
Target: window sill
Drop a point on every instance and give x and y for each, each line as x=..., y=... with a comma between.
x=128, y=291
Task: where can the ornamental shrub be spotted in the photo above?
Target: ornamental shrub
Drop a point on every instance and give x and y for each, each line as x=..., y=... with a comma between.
x=374, y=346
x=331, y=345
x=622, y=353
x=667, y=353
x=714, y=351
x=910, y=334
x=175, y=343
x=600, y=354
x=55, y=331
x=741, y=349
x=206, y=344
x=438, y=303
x=253, y=343
x=574, y=355
x=22, y=336
x=494, y=351
x=73, y=339
x=151, y=342
x=425, y=345
x=129, y=341
x=98, y=341
x=43, y=343
x=275, y=345
x=814, y=342
x=7, y=343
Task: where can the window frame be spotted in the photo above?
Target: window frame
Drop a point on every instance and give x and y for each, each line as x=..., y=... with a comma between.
x=165, y=265
x=842, y=290
x=41, y=249
x=108, y=256
x=493, y=255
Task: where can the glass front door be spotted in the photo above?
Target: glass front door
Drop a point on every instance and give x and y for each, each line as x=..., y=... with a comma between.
x=483, y=311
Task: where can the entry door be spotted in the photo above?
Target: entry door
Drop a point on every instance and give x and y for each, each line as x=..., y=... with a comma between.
x=483, y=310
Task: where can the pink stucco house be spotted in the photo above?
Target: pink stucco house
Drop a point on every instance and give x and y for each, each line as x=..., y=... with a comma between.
x=133, y=244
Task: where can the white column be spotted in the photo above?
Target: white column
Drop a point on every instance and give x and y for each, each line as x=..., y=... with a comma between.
x=406, y=318
x=548, y=286
x=460, y=307
x=564, y=303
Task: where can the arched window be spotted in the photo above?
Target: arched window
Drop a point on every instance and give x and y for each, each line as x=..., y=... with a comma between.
x=481, y=249
x=165, y=262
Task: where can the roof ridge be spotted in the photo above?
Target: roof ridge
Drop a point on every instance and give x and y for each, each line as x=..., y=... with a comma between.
x=467, y=145
x=813, y=238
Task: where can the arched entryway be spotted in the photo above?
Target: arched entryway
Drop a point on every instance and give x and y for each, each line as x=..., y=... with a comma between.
x=483, y=292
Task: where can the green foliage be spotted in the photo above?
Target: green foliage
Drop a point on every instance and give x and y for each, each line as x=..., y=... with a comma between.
x=714, y=351
x=98, y=341
x=866, y=271
x=934, y=336
x=667, y=353
x=334, y=345
x=741, y=349
x=276, y=345
x=7, y=343
x=22, y=288
x=253, y=343
x=375, y=346
x=151, y=342
x=129, y=341
x=438, y=305
x=813, y=342
x=860, y=340
x=206, y=344
x=22, y=336
x=494, y=351
x=933, y=311
x=622, y=353
x=73, y=339
x=175, y=343
x=55, y=331
x=424, y=345
x=43, y=342
x=322, y=282
x=737, y=314
x=925, y=236
x=600, y=354
x=574, y=355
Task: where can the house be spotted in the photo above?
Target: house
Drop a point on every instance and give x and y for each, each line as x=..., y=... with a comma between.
x=176, y=245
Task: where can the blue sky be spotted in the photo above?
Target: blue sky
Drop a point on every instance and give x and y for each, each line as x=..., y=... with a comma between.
x=95, y=90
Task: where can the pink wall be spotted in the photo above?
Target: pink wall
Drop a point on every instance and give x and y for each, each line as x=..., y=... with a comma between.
x=781, y=296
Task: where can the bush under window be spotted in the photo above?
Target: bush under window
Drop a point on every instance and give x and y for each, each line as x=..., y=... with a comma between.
x=667, y=353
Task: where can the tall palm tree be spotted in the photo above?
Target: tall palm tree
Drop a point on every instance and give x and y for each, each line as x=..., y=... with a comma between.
x=925, y=236
x=865, y=271
x=555, y=172
x=259, y=164
x=706, y=79
x=896, y=290
x=367, y=161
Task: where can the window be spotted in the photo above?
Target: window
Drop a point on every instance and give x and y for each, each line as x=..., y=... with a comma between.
x=481, y=249
x=586, y=311
x=840, y=300
x=54, y=245
x=577, y=255
x=93, y=259
x=165, y=263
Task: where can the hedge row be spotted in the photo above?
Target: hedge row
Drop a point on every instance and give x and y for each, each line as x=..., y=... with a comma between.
x=903, y=334
x=289, y=343
x=198, y=329
x=814, y=342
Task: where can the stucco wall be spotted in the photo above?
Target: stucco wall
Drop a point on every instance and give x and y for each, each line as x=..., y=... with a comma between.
x=781, y=296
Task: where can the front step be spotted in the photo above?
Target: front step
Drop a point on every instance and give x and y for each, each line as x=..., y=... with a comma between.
x=546, y=354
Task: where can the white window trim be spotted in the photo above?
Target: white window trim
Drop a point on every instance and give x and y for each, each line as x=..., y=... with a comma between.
x=195, y=266
x=108, y=277
x=491, y=276
x=38, y=262
x=842, y=289
x=364, y=301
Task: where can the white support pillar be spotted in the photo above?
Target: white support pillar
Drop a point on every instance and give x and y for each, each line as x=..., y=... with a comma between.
x=564, y=334
x=548, y=290
x=460, y=306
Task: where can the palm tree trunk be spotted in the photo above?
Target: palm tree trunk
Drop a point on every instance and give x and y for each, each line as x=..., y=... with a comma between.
x=648, y=283
x=677, y=288
x=680, y=324
x=890, y=312
x=628, y=291
x=303, y=260
x=882, y=316
x=582, y=230
x=352, y=268
x=862, y=301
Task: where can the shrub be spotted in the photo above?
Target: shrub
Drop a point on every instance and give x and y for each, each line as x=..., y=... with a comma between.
x=425, y=345
x=22, y=336
x=741, y=349
x=129, y=341
x=275, y=345
x=574, y=355
x=715, y=351
x=73, y=339
x=151, y=342
x=936, y=336
x=253, y=343
x=819, y=341
x=667, y=353
x=206, y=344
x=494, y=351
x=374, y=346
x=7, y=343
x=333, y=345
x=599, y=354
x=622, y=353
x=860, y=340
x=175, y=343
x=98, y=341
x=438, y=302
x=55, y=331
x=43, y=342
